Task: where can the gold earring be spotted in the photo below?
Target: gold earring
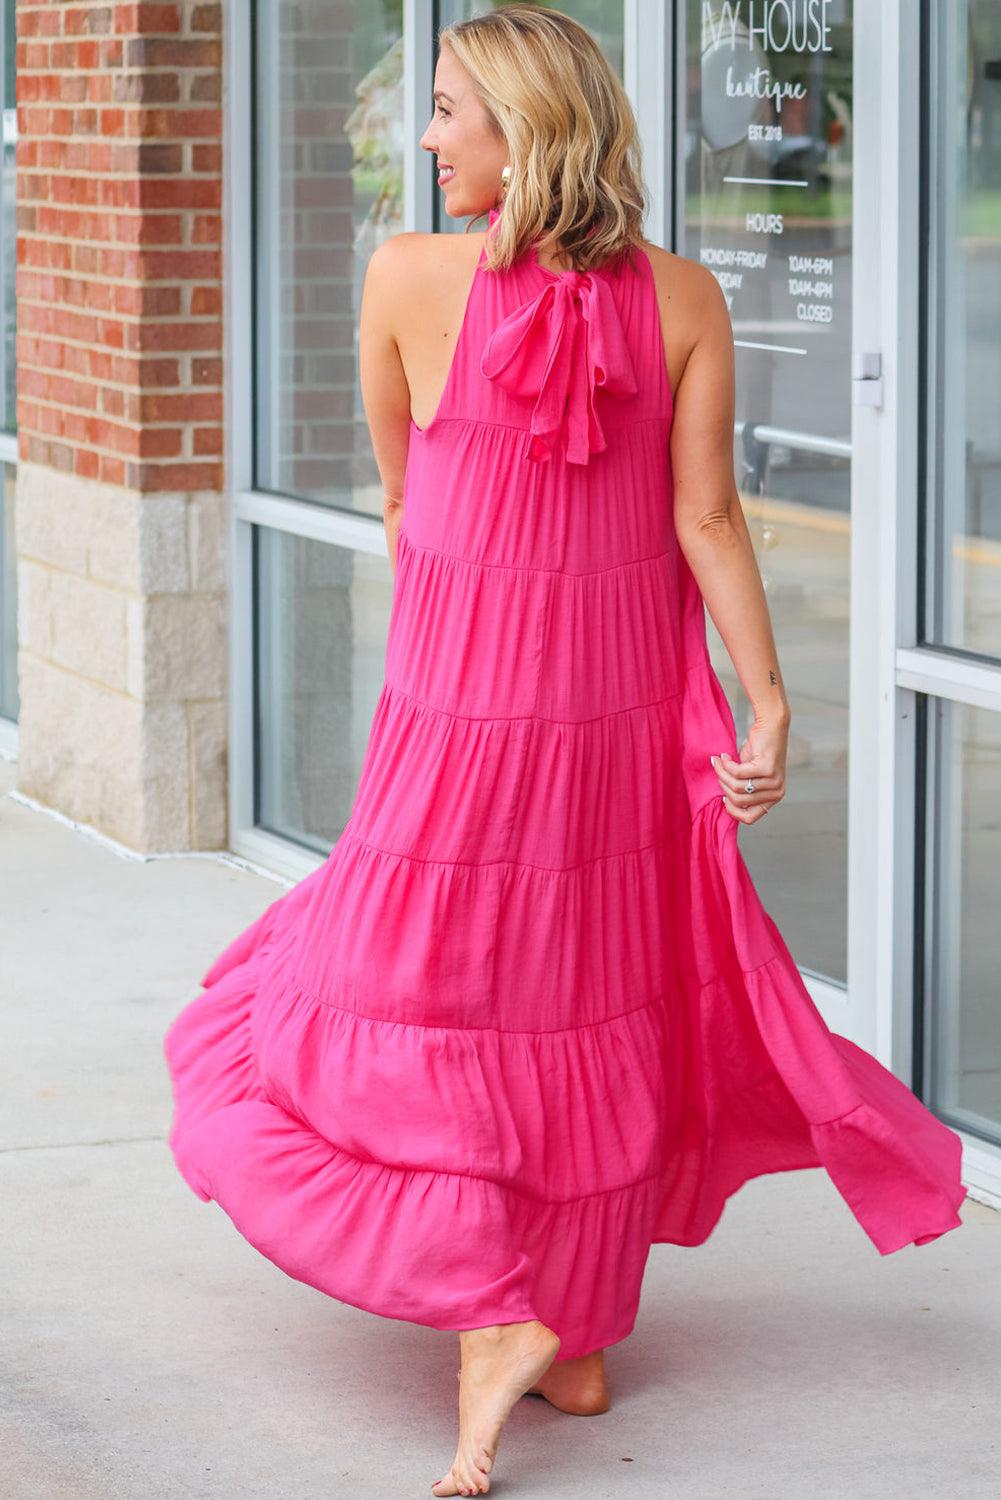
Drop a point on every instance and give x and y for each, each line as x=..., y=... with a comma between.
x=505, y=179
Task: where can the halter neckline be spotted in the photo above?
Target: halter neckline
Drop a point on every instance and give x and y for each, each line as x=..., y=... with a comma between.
x=557, y=350
x=572, y=275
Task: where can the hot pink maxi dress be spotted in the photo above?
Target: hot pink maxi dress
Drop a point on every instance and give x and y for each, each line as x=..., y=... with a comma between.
x=530, y=1015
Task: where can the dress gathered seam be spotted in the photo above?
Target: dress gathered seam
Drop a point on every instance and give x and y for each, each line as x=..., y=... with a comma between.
x=665, y=418
x=357, y=1015
x=611, y=713
x=514, y=864
x=503, y=1187
x=475, y=562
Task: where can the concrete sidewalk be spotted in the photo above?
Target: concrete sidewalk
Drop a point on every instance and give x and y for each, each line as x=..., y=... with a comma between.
x=149, y=1351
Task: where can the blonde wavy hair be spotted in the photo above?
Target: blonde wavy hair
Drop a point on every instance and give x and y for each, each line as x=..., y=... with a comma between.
x=576, y=179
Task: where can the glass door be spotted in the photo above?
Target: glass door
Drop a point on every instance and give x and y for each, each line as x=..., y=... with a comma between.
x=763, y=198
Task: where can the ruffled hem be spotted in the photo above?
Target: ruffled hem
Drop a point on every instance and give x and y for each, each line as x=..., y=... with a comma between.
x=779, y=1090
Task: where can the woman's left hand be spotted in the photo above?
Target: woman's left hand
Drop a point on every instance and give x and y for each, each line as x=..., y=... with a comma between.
x=762, y=760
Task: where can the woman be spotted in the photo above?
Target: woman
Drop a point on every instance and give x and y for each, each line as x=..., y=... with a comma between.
x=530, y=1017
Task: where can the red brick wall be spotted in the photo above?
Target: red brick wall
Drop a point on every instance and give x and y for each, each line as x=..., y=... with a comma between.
x=119, y=252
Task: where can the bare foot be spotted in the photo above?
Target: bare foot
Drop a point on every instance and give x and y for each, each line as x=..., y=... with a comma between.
x=576, y=1385
x=498, y=1366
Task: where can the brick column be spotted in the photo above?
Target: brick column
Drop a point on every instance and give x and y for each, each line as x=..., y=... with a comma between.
x=120, y=511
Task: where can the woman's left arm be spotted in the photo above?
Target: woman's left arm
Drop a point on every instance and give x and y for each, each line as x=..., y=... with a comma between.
x=713, y=535
x=384, y=389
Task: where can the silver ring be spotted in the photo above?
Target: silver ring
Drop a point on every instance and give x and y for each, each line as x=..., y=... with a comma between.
x=749, y=786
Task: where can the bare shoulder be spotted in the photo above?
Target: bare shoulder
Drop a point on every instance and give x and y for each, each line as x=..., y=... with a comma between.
x=692, y=306
x=431, y=272
x=407, y=262
x=685, y=288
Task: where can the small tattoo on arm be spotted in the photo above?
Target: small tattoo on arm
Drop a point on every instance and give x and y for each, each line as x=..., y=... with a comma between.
x=772, y=676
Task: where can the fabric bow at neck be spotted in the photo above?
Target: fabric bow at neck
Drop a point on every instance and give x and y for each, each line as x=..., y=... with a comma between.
x=557, y=350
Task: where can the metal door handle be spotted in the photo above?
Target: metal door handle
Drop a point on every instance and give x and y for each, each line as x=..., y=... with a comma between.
x=867, y=378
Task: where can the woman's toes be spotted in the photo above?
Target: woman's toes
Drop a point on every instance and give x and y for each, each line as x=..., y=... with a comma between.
x=450, y=1484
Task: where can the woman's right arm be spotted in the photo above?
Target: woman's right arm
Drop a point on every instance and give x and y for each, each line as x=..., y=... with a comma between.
x=384, y=389
x=713, y=535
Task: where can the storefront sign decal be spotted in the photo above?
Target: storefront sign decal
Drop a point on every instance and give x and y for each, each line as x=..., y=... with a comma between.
x=774, y=25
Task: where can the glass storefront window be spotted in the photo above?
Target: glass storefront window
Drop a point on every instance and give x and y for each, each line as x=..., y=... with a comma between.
x=328, y=180
x=323, y=621
x=328, y=177
x=767, y=207
x=962, y=606
x=964, y=852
